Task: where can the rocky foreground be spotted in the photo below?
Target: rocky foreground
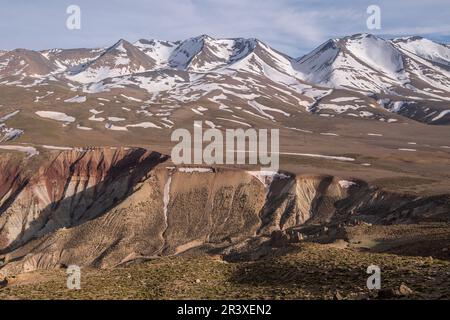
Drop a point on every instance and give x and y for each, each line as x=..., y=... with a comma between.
x=303, y=271
x=141, y=228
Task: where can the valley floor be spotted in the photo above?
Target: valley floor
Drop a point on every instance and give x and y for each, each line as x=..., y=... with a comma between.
x=299, y=271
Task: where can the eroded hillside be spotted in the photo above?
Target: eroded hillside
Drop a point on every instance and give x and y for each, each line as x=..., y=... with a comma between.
x=106, y=207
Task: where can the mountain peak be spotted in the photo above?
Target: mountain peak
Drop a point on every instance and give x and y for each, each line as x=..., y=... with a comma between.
x=121, y=45
x=408, y=39
x=424, y=48
x=361, y=35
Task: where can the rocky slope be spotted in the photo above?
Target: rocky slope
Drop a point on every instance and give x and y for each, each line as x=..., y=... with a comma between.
x=105, y=207
x=304, y=271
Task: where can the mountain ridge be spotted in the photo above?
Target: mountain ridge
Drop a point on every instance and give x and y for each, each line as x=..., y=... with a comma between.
x=377, y=79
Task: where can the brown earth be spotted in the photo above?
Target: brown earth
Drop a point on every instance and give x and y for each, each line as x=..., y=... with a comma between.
x=109, y=208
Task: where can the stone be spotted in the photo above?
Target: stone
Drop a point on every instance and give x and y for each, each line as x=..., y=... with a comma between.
x=3, y=281
x=404, y=290
x=338, y=296
x=296, y=237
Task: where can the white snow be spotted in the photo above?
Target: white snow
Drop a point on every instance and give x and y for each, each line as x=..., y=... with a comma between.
x=344, y=99
x=56, y=148
x=166, y=197
x=53, y=115
x=398, y=106
x=38, y=98
x=441, y=115
x=131, y=98
x=426, y=49
x=160, y=51
x=262, y=109
x=83, y=128
x=329, y=134
x=362, y=62
x=301, y=130
x=31, y=151
x=236, y=121
x=312, y=155
x=76, y=99
x=143, y=125
x=110, y=126
x=192, y=170
x=197, y=112
x=8, y=116
x=377, y=53
x=210, y=124
x=94, y=111
x=94, y=118
x=338, y=108
x=116, y=119
x=375, y=134
x=267, y=177
x=347, y=184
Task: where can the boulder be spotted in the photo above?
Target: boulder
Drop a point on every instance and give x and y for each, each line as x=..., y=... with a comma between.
x=3, y=281
x=402, y=291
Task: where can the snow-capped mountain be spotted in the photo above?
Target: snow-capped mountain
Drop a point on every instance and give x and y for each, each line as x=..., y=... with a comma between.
x=368, y=63
x=434, y=52
x=158, y=50
x=24, y=63
x=65, y=59
x=362, y=62
x=427, y=62
x=360, y=76
x=120, y=59
x=204, y=54
x=198, y=54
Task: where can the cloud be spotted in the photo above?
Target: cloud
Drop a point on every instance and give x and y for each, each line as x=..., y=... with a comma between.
x=291, y=26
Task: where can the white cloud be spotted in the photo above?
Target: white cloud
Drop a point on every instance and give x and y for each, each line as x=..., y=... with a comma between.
x=291, y=26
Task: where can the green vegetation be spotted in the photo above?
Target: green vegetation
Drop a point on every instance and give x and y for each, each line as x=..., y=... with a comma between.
x=310, y=271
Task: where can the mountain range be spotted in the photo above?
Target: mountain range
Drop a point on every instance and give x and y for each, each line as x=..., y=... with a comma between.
x=86, y=176
x=359, y=76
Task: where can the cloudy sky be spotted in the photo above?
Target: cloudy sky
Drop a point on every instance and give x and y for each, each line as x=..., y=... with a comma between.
x=291, y=26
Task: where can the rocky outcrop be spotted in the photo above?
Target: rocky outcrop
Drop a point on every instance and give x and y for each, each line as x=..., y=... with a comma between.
x=67, y=190
x=105, y=207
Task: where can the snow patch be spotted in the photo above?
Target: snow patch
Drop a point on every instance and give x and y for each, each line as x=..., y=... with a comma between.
x=31, y=151
x=192, y=170
x=347, y=184
x=53, y=115
x=56, y=148
x=76, y=99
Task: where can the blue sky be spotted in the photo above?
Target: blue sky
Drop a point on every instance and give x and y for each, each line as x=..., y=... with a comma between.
x=291, y=26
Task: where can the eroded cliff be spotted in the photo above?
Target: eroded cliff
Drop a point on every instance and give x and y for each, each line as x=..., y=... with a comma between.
x=104, y=207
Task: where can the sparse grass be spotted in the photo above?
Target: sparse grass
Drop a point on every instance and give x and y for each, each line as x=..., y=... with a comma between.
x=312, y=271
x=400, y=183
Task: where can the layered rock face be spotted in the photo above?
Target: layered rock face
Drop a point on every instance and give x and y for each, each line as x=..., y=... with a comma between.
x=105, y=207
x=66, y=190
